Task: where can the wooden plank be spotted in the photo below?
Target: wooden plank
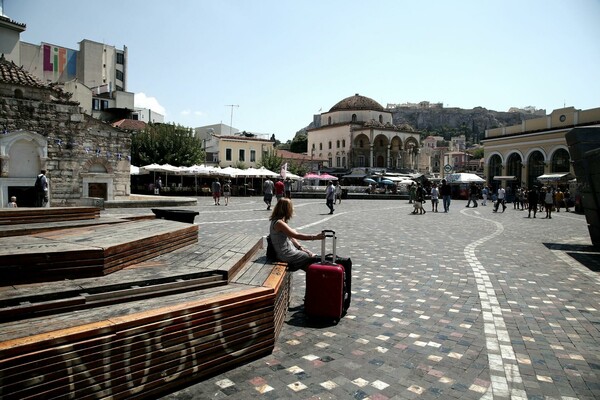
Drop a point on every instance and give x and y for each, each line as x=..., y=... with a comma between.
x=160, y=355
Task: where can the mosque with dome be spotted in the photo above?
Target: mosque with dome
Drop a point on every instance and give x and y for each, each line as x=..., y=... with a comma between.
x=358, y=132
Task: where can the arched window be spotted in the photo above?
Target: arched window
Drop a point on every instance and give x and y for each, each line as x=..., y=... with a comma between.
x=535, y=167
x=343, y=142
x=494, y=169
x=338, y=144
x=560, y=161
x=353, y=117
x=360, y=143
x=320, y=146
x=18, y=94
x=514, y=164
x=380, y=119
x=330, y=144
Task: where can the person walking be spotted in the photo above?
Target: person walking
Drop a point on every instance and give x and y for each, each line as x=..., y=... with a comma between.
x=338, y=192
x=227, y=191
x=268, y=188
x=567, y=199
x=279, y=189
x=435, y=194
x=158, y=186
x=484, y=194
x=216, y=192
x=330, y=196
x=419, y=199
x=532, y=201
x=412, y=191
x=548, y=202
x=287, y=185
x=41, y=189
x=446, y=193
x=559, y=198
x=501, y=199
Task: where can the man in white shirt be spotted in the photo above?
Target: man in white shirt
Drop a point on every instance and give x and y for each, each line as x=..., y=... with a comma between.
x=501, y=197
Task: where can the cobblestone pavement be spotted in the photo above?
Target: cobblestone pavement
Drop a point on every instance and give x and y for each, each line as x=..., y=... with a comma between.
x=470, y=304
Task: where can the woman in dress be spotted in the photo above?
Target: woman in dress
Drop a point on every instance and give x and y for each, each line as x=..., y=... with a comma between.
x=285, y=238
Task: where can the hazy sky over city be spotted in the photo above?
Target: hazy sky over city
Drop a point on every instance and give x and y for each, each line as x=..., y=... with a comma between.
x=283, y=61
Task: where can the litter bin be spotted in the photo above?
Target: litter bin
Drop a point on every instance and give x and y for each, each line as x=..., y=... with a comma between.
x=344, y=193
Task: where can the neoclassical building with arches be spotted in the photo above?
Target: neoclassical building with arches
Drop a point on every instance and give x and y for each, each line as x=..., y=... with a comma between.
x=359, y=132
x=533, y=148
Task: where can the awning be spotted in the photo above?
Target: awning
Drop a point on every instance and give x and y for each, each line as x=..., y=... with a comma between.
x=505, y=178
x=563, y=176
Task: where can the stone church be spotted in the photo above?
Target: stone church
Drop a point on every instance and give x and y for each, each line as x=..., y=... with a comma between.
x=357, y=132
x=41, y=128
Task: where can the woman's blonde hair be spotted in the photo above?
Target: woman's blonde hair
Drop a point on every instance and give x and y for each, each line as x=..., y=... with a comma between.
x=282, y=210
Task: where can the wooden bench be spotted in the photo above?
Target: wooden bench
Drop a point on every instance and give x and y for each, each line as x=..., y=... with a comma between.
x=147, y=329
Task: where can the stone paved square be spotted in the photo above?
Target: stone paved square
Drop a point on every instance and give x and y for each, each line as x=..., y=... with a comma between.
x=470, y=304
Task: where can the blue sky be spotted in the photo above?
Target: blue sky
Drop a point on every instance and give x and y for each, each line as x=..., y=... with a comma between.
x=282, y=61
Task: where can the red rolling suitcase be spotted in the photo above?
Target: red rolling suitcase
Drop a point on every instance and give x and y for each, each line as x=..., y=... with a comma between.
x=325, y=286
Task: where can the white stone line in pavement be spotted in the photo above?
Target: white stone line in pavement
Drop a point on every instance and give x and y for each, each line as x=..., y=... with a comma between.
x=504, y=370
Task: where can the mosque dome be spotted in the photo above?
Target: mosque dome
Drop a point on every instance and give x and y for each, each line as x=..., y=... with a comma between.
x=357, y=102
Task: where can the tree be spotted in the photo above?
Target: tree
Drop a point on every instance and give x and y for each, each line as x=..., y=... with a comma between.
x=299, y=143
x=476, y=154
x=166, y=144
x=271, y=161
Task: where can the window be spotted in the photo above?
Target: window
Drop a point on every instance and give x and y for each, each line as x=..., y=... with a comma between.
x=119, y=75
x=252, y=155
x=242, y=156
x=338, y=162
x=353, y=117
x=380, y=119
x=361, y=161
x=329, y=120
x=227, y=154
x=343, y=162
x=95, y=104
x=329, y=161
x=360, y=143
x=320, y=146
x=313, y=146
x=338, y=144
x=120, y=58
x=343, y=142
x=104, y=105
x=330, y=144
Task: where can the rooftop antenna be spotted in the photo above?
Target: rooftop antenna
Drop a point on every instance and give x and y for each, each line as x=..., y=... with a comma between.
x=231, y=122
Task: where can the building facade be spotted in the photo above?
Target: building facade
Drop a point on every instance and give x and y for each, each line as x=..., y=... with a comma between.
x=44, y=129
x=226, y=146
x=95, y=75
x=358, y=132
x=521, y=153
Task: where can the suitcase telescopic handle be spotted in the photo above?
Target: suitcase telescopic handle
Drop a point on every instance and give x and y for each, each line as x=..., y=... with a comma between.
x=328, y=233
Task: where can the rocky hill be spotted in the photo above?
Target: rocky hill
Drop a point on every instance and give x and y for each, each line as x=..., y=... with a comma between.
x=450, y=121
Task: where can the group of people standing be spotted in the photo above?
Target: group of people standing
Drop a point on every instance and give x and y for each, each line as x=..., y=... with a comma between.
x=279, y=189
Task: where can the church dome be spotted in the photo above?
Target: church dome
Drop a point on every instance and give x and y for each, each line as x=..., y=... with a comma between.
x=357, y=102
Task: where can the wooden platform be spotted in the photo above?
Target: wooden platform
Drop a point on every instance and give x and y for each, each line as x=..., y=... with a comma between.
x=30, y=215
x=89, y=251
x=146, y=329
